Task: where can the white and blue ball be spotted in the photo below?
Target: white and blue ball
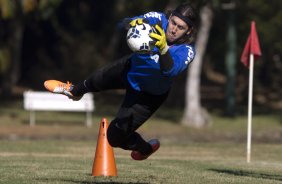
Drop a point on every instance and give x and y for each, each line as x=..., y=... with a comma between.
x=138, y=39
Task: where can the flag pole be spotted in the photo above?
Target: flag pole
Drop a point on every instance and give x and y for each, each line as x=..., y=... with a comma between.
x=250, y=53
x=251, y=76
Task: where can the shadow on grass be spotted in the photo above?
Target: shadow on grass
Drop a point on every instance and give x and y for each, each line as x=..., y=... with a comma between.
x=100, y=182
x=249, y=174
x=94, y=181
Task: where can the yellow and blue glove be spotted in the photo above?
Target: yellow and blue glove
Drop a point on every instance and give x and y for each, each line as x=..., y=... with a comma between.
x=160, y=38
x=135, y=22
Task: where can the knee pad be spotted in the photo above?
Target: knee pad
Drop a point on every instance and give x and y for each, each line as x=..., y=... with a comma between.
x=115, y=135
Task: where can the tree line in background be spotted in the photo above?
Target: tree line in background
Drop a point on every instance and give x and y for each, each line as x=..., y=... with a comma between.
x=68, y=39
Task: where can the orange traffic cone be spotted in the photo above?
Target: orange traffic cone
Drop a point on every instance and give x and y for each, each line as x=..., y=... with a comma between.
x=104, y=161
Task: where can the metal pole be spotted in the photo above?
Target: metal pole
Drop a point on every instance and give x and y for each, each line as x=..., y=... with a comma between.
x=32, y=118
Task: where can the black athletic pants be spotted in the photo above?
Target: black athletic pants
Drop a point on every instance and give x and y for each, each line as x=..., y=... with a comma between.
x=135, y=109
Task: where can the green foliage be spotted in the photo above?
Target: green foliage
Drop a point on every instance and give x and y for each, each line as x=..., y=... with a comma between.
x=46, y=8
x=68, y=39
x=4, y=58
x=12, y=8
x=267, y=16
x=7, y=9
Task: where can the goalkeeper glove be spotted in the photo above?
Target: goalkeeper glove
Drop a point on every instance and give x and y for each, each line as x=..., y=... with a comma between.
x=161, y=39
x=134, y=22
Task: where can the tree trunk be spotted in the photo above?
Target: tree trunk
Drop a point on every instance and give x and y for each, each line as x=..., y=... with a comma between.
x=230, y=64
x=194, y=114
x=114, y=41
x=12, y=75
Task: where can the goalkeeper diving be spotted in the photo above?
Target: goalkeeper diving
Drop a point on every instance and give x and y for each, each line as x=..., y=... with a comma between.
x=146, y=78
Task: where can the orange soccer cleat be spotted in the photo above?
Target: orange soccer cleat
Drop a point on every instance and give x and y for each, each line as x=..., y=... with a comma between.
x=59, y=87
x=136, y=155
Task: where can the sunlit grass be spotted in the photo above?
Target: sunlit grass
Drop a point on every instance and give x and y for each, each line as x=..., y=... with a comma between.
x=71, y=162
x=60, y=149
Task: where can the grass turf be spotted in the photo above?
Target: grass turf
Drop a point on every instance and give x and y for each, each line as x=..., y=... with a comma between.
x=62, y=161
x=60, y=149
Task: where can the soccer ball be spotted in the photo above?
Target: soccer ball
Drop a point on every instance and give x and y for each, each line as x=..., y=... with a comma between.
x=138, y=39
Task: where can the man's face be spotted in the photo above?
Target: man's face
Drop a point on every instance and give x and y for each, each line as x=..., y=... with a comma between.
x=176, y=28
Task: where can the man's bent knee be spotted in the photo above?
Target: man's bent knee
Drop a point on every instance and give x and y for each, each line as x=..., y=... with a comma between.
x=115, y=135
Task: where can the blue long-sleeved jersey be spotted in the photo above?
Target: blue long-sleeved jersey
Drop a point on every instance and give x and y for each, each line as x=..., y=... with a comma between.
x=145, y=73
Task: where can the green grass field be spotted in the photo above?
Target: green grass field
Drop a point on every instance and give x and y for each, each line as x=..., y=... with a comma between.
x=61, y=161
x=60, y=149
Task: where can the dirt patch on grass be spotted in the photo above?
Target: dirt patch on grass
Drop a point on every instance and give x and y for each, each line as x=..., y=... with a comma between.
x=167, y=132
x=14, y=132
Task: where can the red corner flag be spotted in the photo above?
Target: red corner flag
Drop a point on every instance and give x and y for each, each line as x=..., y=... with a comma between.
x=252, y=46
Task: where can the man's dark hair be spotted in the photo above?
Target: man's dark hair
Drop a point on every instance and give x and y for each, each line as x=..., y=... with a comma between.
x=188, y=14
